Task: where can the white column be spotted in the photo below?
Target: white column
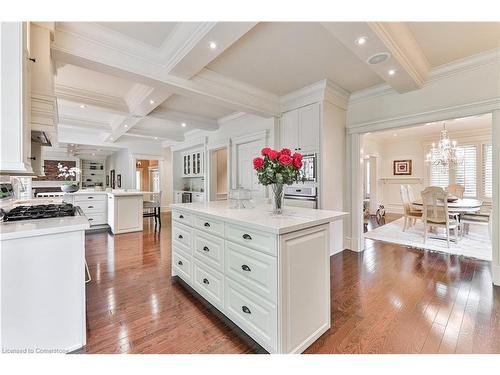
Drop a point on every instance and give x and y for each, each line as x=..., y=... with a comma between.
x=356, y=192
x=495, y=266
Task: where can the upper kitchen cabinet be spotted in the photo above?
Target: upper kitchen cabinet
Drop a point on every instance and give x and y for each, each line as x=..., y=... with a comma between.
x=192, y=164
x=15, y=101
x=44, y=115
x=300, y=129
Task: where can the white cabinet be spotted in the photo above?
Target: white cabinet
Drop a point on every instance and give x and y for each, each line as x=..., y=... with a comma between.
x=275, y=287
x=15, y=99
x=300, y=129
x=125, y=213
x=197, y=197
x=93, y=204
x=192, y=164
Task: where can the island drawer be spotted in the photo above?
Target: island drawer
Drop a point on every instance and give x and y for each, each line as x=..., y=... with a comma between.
x=209, y=249
x=182, y=217
x=253, y=314
x=209, y=283
x=256, y=240
x=91, y=207
x=182, y=265
x=253, y=269
x=209, y=225
x=96, y=218
x=89, y=197
x=182, y=234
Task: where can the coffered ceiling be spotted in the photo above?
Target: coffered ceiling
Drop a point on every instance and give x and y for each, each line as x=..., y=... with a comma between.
x=118, y=82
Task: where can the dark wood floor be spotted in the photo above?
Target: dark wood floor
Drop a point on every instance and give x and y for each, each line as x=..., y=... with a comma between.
x=388, y=299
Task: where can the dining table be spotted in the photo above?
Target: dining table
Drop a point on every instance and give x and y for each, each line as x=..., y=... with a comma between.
x=458, y=205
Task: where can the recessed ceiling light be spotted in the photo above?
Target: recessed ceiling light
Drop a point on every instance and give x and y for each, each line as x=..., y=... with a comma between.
x=391, y=72
x=183, y=124
x=93, y=154
x=395, y=135
x=111, y=138
x=156, y=137
x=83, y=106
x=126, y=126
x=151, y=101
x=212, y=45
x=361, y=40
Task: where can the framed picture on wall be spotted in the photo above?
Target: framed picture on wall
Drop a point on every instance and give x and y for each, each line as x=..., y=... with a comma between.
x=112, y=178
x=119, y=180
x=402, y=167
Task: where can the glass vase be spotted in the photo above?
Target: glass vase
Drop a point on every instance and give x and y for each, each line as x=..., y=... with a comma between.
x=277, y=198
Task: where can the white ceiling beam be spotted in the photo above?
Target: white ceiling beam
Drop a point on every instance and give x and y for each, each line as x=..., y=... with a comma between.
x=406, y=58
x=77, y=50
x=77, y=95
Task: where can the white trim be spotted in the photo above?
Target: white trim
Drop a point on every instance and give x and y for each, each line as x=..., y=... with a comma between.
x=92, y=98
x=196, y=142
x=230, y=117
x=249, y=137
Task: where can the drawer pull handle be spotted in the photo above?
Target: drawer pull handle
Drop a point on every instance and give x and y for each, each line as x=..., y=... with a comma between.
x=245, y=268
x=90, y=197
x=180, y=237
x=246, y=310
x=181, y=216
x=205, y=281
x=246, y=236
x=207, y=225
x=206, y=249
x=180, y=263
x=90, y=219
x=90, y=207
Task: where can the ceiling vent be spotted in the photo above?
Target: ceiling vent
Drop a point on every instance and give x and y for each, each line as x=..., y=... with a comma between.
x=378, y=58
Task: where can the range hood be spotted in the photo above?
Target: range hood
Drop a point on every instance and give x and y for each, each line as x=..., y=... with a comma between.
x=40, y=137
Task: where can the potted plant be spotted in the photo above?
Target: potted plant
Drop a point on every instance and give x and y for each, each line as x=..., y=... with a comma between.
x=69, y=186
x=278, y=168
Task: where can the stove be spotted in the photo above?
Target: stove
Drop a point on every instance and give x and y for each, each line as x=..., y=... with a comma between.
x=41, y=211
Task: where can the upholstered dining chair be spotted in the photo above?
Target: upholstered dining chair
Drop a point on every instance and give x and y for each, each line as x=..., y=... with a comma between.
x=154, y=204
x=457, y=190
x=435, y=212
x=411, y=197
x=409, y=214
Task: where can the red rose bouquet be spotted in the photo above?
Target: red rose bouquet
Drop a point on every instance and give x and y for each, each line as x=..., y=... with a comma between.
x=278, y=168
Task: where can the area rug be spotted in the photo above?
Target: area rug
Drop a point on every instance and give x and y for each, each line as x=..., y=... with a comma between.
x=476, y=244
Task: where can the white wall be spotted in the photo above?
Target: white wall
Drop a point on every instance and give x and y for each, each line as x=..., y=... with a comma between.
x=123, y=162
x=166, y=179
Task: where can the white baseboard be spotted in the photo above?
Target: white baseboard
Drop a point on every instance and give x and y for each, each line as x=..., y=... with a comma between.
x=495, y=274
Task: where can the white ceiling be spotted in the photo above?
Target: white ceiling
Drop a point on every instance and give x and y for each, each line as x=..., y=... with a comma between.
x=281, y=57
x=464, y=124
x=195, y=107
x=275, y=57
x=444, y=42
x=152, y=33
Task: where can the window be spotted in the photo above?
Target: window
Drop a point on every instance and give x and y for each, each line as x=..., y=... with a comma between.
x=439, y=176
x=367, y=178
x=466, y=174
x=487, y=182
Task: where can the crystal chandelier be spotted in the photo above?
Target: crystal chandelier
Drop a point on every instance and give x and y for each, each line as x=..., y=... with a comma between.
x=445, y=154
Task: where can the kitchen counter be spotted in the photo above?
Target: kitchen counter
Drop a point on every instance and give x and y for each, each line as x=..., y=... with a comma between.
x=269, y=274
x=260, y=217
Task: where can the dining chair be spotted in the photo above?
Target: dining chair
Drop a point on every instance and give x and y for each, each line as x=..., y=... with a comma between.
x=153, y=203
x=457, y=190
x=412, y=198
x=409, y=214
x=481, y=218
x=435, y=212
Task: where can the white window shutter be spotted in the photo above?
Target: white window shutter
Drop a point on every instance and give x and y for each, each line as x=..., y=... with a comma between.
x=466, y=174
x=487, y=171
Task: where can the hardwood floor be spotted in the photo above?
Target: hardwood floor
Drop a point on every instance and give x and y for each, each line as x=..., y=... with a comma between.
x=388, y=299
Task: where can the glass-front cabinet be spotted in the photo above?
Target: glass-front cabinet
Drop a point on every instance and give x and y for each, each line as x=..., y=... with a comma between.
x=193, y=164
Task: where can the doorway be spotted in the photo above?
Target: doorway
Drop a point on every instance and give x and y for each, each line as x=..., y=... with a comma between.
x=147, y=175
x=219, y=174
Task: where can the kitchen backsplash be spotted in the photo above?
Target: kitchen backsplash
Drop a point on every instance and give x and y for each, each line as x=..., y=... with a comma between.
x=52, y=172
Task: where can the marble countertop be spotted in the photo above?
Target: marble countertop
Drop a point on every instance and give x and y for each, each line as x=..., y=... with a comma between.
x=39, y=227
x=260, y=217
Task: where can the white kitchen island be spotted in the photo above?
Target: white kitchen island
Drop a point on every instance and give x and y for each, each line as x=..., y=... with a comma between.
x=42, y=271
x=268, y=274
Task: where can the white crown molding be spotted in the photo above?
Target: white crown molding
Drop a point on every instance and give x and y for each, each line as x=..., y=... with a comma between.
x=441, y=114
x=92, y=98
x=453, y=68
x=191, y=143
x=316, y=92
